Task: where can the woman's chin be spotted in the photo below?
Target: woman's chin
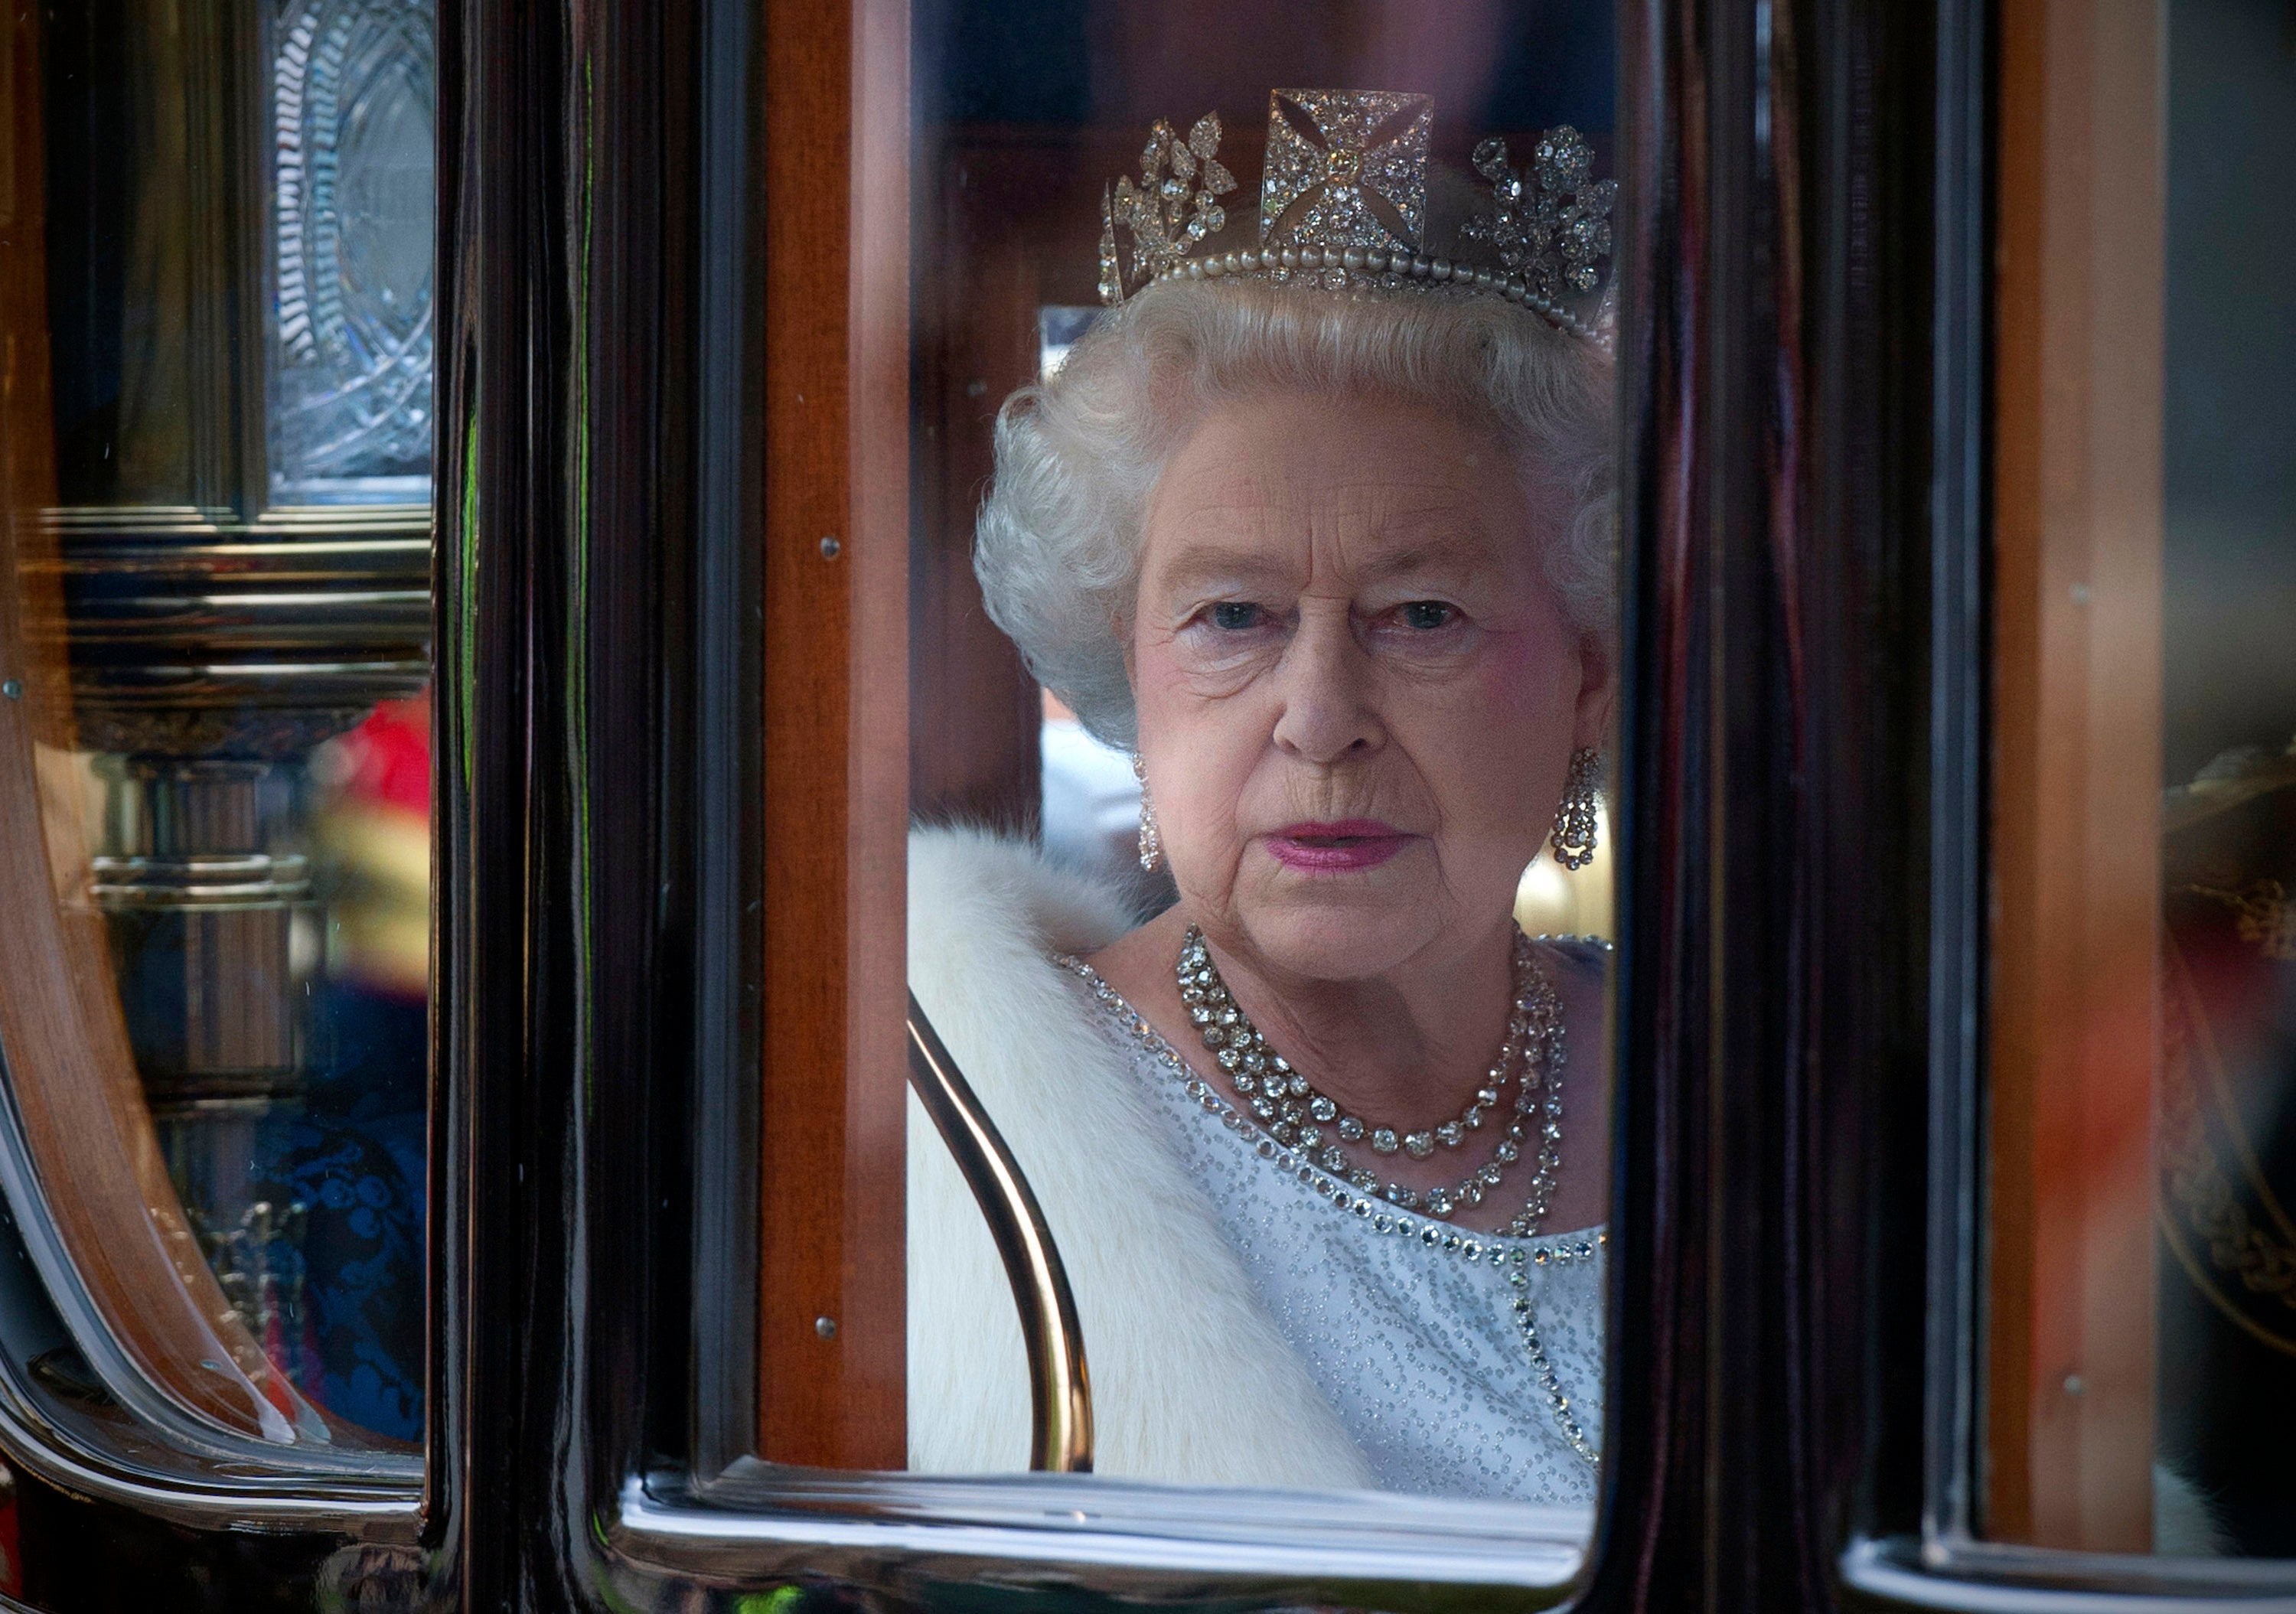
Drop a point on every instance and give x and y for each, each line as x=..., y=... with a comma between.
x=1335, y=930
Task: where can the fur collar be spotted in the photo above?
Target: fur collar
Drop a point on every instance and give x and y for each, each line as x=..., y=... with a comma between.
x=1191, y=1380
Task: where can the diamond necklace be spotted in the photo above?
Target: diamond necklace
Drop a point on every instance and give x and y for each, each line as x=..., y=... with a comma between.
x=1296, y=1112
x=1467, y=1247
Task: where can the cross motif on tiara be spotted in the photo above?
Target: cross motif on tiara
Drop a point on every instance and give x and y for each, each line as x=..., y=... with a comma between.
x=1343, y=208
x=1346, y=168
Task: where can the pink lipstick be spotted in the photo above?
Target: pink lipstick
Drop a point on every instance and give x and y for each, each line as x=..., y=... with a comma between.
x=1349, y=845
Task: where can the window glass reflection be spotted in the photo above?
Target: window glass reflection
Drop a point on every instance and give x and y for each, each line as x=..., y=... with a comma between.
x=2226, y=1144
x=2141, y=1337
x=221, y=582
x=1265, y=641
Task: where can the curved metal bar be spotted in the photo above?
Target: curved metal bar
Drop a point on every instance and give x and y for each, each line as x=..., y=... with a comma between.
x=1060, y=1388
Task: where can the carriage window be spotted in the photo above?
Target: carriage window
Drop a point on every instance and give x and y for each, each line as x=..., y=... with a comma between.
x=215, y=738
x=1264, y=638
x=2141, y=1370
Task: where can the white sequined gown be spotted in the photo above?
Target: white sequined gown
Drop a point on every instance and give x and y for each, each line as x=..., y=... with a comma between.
x=1409, y=1327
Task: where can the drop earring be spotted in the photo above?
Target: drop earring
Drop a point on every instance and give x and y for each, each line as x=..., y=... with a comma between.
x=1151, y=838
x=1573, y=839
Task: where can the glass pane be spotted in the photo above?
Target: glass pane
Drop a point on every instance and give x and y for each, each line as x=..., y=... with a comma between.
x=217, y=740
x=2142, y=1393
x=1263, y=657
x=2226, y=1148
x=351, y=251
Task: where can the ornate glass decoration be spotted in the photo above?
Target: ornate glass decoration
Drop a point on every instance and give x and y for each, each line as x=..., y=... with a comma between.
x=354, y=91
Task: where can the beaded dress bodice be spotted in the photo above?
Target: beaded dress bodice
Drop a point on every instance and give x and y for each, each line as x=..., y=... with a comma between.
x=1462, y=1363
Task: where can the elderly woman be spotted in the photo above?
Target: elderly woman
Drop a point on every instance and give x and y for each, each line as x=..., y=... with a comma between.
x=1328, y=547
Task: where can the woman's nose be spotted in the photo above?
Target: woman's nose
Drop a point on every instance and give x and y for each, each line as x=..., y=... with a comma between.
x=1325, y=684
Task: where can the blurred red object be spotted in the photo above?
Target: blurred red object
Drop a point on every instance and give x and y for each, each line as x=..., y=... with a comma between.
x=389, y=757
x=373, y=828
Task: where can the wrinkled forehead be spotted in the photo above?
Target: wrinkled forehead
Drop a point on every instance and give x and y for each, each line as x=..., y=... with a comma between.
x=1372, y=487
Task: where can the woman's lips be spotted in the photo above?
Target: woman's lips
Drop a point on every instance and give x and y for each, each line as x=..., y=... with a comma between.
x=1336, y=849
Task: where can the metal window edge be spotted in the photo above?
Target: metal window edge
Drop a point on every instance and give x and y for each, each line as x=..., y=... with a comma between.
x=1984, y=1578
x=230, y=1483
x=660, y=1529
x=69, y=1464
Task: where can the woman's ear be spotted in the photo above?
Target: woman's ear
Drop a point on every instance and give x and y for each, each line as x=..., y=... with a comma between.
x=1598, y=688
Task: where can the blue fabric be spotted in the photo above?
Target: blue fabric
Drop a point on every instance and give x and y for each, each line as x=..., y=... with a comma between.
x=353, y=1155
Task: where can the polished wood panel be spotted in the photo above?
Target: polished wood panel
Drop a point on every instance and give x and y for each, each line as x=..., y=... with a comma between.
x=65, y=1045
x=2076, y=775
x=832, y=188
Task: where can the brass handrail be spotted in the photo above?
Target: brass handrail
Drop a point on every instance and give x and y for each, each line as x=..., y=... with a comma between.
x=1060, y=1388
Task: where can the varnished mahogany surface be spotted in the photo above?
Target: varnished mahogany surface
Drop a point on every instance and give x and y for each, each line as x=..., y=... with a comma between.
x=831, y=165
x=2077, y=758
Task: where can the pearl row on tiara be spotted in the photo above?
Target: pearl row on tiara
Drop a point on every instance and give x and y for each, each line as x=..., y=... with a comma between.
x=1343, y=207
x=1400, y=268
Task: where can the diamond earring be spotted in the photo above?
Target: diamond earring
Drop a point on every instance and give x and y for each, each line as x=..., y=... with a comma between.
x=1573, y=839
x=1151, y=838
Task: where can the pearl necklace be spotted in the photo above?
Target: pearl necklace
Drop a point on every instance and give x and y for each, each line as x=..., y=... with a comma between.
x=1295, y=1112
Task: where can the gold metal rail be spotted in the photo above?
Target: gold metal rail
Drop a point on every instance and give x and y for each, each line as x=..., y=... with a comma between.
x=1060, y=1388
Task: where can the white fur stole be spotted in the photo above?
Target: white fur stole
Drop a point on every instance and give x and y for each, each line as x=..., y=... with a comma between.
x=1191, y=1380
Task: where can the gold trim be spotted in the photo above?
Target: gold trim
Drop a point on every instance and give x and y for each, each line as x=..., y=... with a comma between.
x=2194, y=1178
x=2200, y=1281
x=2185, y=805
x=2262, y=916
x=2229, y=1107
x=1060, y=1386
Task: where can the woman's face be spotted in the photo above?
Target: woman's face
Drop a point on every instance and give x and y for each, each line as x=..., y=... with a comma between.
x=1357, y=694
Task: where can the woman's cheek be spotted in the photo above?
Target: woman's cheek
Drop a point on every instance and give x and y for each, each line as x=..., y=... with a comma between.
x=1519, y=679
x=1506, y=731
x=1482, y=703
x=1157, y=681
x=1200, y=757
x=1208, y=848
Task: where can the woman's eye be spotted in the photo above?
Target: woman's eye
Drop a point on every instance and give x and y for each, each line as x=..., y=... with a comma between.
x=1429, y=614
x=1236, y=615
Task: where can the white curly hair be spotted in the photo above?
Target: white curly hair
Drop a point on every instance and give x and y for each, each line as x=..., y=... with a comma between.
x=1058, y=545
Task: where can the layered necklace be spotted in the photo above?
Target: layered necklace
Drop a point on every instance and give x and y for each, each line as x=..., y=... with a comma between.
x=1300, y=1116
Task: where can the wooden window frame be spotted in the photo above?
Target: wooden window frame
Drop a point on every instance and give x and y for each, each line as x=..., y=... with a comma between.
x=833, y=175
x=2081, y=205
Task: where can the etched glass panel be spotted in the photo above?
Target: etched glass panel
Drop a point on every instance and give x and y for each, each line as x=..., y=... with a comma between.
x=354, y=87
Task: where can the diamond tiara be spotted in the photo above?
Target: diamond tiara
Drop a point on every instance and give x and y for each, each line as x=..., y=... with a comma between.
x=1343, y=206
